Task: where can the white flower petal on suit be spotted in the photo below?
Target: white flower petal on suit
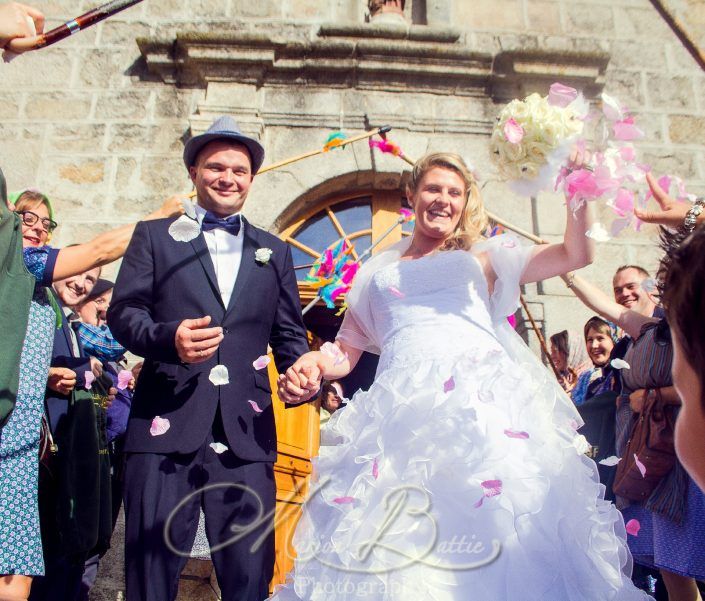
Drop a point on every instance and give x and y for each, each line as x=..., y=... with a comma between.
x=219, y=375
x=218, y=447
x=262, y=255
x=184, y=229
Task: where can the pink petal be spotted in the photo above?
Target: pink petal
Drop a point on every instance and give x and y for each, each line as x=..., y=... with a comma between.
x=255, y=406
x=560, y=95
x=512, y=321
x=626, y=131
x=344, y=500
x=509, y=244
x=632, y=527
x=375, y=469
x=513, y=131
x=517, y=434
x=261, y=362
x=640, y=465
x=449, y=384
x=618, y=225
x=396, y=292
x=124, y=379
x=611, y=108
x=159, y=426
x=90, y=378
x=479, y=503
x=623, y=203
x=627, y=153
x=492, y=487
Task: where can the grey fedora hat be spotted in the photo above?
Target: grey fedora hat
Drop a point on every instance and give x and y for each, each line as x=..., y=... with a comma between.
x=224, y=128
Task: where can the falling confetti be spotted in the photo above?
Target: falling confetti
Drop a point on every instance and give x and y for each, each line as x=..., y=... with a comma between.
x=620, y=364
x=159, y=426
x=89, y=378
x=261, y=362
x=632, y=527
x=218, y=447
x=449, y=385
x=219, y=375
x=610, y=461
x=184, y=229
x=516, y=434
x=255, y=406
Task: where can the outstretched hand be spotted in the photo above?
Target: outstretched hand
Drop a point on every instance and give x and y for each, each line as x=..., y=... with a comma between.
x=301, y=381
x=19, y=21
x=172, y=207
x=671, y=212
x=195, y=341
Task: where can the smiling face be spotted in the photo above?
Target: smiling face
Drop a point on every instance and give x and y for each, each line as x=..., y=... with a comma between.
x=629, y=293
x=36, y=235
x=438, y=202
x=222, y=176
x=599, y=347
x=74, y=290
x=94, y=311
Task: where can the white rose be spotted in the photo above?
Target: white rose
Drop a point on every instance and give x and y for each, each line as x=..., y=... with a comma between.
x=262, y=255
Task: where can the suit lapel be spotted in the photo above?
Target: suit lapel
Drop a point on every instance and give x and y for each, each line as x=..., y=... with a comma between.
x=247, y=263
x=201, y=249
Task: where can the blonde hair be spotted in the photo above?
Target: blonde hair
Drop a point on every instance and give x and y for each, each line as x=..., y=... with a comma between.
x=473, y=220
x=30, y=199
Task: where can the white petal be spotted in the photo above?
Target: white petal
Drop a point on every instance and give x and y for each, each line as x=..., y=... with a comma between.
x=218, y=447
x=189, y=208
x=184, y=229
x=219, y=375
x=620, y=364
x=610, y=461
x=581, y=444
x=598, y=233
x=261, y=362
x=611, y=108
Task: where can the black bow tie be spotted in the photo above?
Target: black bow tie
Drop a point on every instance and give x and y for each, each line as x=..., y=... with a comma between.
x=229, y=224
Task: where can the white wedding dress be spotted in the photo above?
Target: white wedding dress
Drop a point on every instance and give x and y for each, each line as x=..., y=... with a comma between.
x=459, y=474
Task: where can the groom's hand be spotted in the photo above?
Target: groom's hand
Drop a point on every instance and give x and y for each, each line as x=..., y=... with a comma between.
x=195, y=341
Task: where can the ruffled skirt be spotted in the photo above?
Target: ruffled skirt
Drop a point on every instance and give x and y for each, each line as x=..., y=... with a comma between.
x=460, y=477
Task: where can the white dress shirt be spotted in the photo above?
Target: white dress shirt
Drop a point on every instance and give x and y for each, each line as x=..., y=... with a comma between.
x=226, y=253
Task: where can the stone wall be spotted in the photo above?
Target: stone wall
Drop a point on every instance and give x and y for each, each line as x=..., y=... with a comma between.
x=98, y=121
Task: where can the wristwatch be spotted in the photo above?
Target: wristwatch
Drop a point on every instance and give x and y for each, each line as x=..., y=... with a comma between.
x=691, y=217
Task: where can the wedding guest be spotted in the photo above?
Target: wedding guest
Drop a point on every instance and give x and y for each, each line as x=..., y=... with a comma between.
x=570, y=358
x=600, y=338
x=684, y=299
x=20, y=544
x=331, y=400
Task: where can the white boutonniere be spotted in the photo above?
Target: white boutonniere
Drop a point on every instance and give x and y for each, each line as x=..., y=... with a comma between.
x=262, y=255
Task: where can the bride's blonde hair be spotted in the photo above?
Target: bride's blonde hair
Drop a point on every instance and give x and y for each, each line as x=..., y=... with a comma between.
x=473, y=220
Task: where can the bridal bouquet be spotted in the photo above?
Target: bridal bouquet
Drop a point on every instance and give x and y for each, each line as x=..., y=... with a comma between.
x=532, y=138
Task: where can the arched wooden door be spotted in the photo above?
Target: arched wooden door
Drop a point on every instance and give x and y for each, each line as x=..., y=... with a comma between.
x=361, y=218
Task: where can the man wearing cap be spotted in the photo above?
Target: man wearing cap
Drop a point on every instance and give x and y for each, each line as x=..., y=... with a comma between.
x=199, y=437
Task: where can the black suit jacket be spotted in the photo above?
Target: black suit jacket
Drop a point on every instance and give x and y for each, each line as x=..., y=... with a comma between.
x=161, y=283
x=62, y=355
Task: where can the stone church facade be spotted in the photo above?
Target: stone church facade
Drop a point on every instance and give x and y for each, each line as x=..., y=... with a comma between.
x=98, y=122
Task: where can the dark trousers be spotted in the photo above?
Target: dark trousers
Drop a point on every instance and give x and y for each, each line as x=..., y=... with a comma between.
x=238, y=500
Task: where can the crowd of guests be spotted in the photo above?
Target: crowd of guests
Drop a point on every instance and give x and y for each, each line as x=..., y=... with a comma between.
x=66, y=393
x=621, y=374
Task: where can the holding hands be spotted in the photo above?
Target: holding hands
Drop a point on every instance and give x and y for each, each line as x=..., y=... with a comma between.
x=302, y=380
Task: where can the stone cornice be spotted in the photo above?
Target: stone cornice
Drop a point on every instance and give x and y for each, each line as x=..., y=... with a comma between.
x=413, y=59
x=391, y=59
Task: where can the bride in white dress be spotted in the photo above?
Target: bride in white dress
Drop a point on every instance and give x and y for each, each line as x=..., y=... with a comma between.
x=459, y=474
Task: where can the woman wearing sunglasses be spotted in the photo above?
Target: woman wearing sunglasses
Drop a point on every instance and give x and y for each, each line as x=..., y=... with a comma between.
x=20, y=542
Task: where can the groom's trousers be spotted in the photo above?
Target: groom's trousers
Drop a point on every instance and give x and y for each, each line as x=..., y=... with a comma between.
x=163, y=494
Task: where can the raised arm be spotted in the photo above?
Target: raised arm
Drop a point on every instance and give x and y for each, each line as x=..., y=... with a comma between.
x=594, y=298
x=108, y=247
x=130, y=312
x=576, y=250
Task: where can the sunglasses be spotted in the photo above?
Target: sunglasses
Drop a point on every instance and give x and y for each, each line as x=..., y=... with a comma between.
x=29, y=219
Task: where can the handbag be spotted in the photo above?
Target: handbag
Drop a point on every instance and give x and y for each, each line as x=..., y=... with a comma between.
x=651, y=444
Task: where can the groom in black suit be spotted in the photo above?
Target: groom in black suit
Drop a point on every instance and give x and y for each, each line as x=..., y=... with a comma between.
x=212, y=290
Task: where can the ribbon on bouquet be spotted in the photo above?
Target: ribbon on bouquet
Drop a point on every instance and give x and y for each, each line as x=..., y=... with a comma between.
x=19, y=45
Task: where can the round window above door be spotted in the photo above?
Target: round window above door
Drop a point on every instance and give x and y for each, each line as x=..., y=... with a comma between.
x=362, y=218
